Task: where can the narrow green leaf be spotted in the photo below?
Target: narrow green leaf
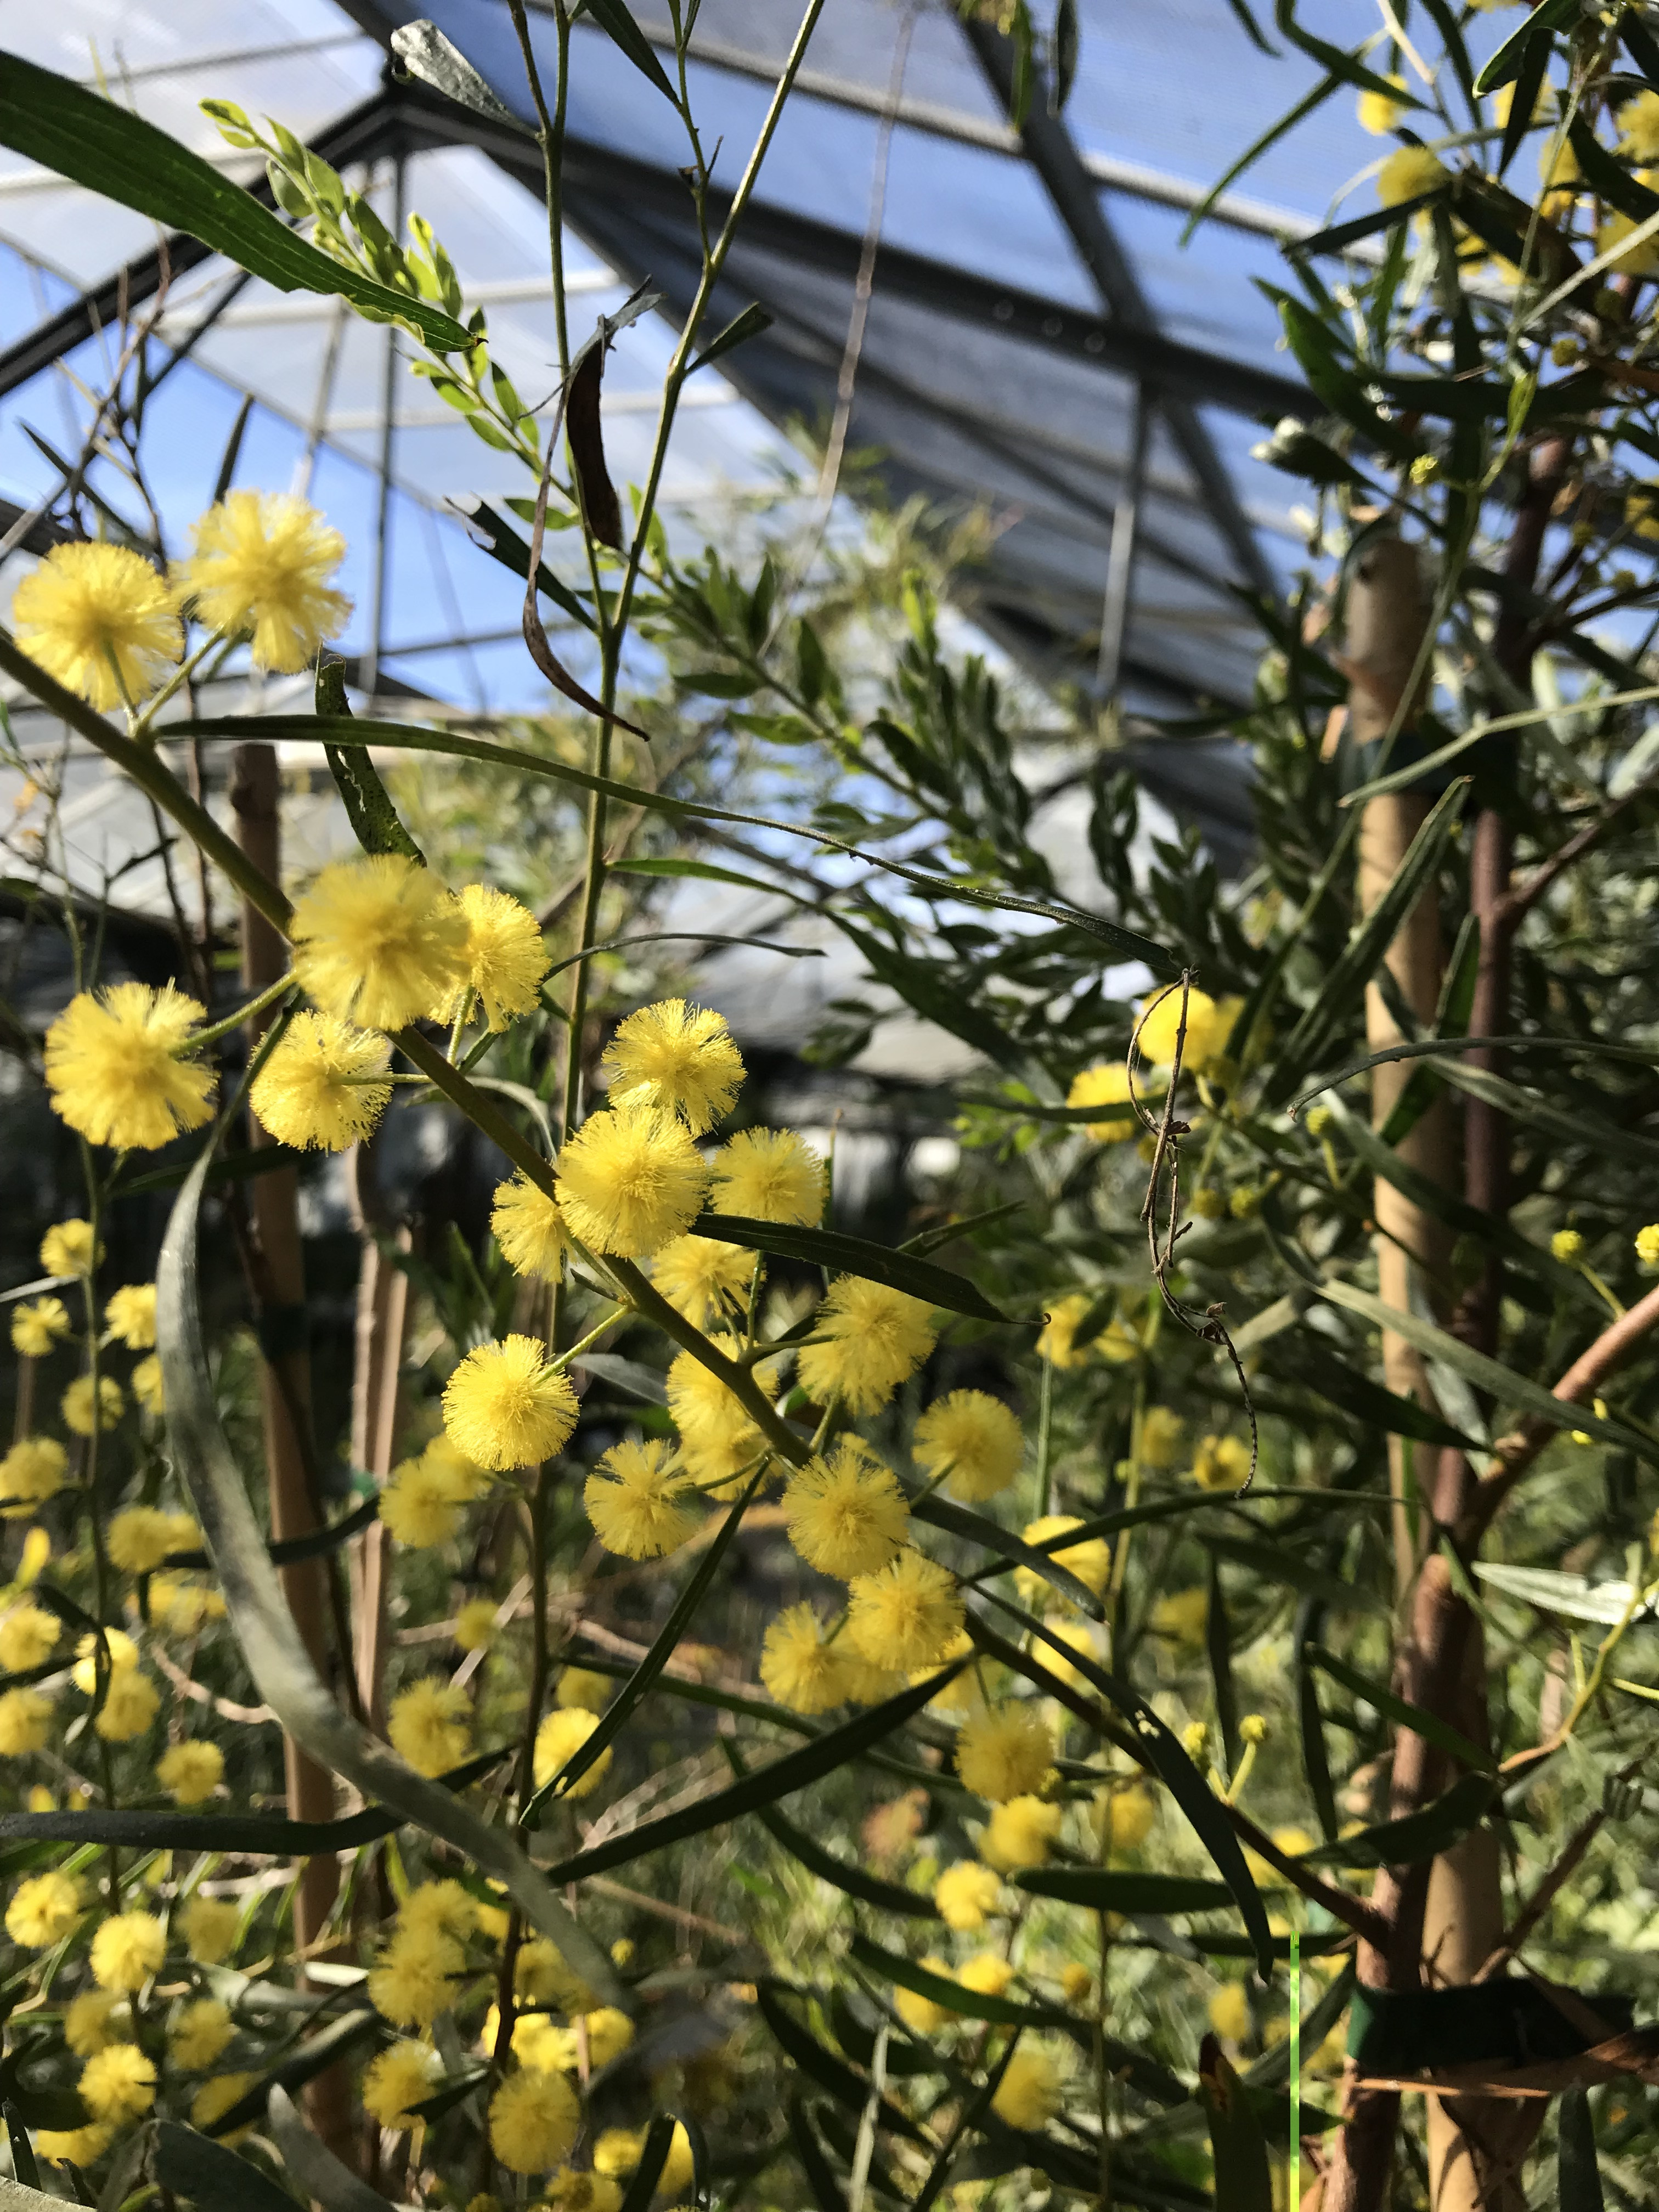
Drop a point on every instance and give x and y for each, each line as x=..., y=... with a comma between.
x=23, y=2164
x=1502, y=69
x=1315, y=1763
x=1575, y=1123
x=1123, y=943
x=323, y=2178
x=836, y=1747
x=749, y=324
x=310, y=2058
x=826, y=2192
x=1107, y=1889
x=832, y=2074
x=614, y=20
x=1427, y=1725
x=205, y=2172
x=1418, y=1836
x=282, y=1668
x=1311, y=1360
x=426, y=53
x=1219, y=1649
x=945, y=1989
x=932, y=989
x=1273, y=1563
x=671, y=864
x=667, y=1642
x=1243, y=2181
x=1491, y=1375
x=1160, y=1748
x=1446, y=1047
x=886, y=1896
x=1574, y=1597
x=658, y=2142
x=106, y=149
x=368, y=804
x=854, y=1255
x=490, y=533
x=1344, y=988
x=1012, y=1550
x=1578, y=2175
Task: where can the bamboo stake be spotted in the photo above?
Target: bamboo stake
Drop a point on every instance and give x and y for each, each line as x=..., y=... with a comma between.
x=285, y=1393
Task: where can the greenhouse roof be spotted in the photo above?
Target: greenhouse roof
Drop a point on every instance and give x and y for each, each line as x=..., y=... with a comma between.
x=1037, y=339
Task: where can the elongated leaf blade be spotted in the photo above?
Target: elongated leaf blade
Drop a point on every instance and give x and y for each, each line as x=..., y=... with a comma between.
x=854, y=1255
x=367, y=803
x=323, y=2178
x=1313, y=1363
x=194, y=2167
x=277, y=1660
x=1161, y=1749
x=1504, y=1385
x=1579, y=2182
x=1274, y=1563
x=1553, y=1591
x=426, y=53
x=1012, y=1550
x=749, y=324
x=1243, y=2181
x=1418, y=1836
x=107, y=149
x=791, y=1772
x=621, y=1709
x=1110, y=1889
x=1429, y=1726
x=868, y=1888
x=834, y=2075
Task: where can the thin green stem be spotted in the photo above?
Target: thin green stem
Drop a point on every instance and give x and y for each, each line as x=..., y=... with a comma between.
x=234, y=1020
x=592, y=1337
x=180, y=676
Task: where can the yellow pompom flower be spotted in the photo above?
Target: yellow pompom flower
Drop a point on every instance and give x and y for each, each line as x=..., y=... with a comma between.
x=1230, y=2011
x=584, y=1687
x=117, y=2083
x=675, y=1059
x=216, y=2098
x=769, y=1174
x=264, y=564
x=1090, y=1561
x=799, y=1667
x=1031, y=2090
x=986, y=1976
x=31, y=1472
x=1378, y=114
x=43, y=1910
x=377, y=940
x=922, y=2014
x=430, y=1725
x=100, y=620
x=557, y=2051
x=198, y=2032
x=679, y=2168
x=1647, y=1245
x=67, y=1248
x=1106, y=1084
x=1079, y=1637
x=504, y=1406
x=874, y=1339
x=28, y=1636
x=114, y=1070
x=636, y=1499
x=1122, y=1818
x=1180, y=1615
x=475, y=1624
x=404, y=2075
x=147, y=1388
x=1407, y=172
x=973, y=1441
x=845, y=1513
x=37, y=1325
x=190, y=1772
x=542, y=1978
x=1567, y=1244
x=1160, y=1437
x=123, y=1652
x=1637, y=259
x=966, y=1894
x=703, y=1279
x=323, y=1088
x=130, y=1316
x=142, y=1536
x=618, y=2151
x=76, y=1404
x=571, y=2190
x=529, y=1229
x=130, y=1706
x=82, y=2147
x=1057, y=1343
x=127, y=1950
x=25, y=1722
x=629, y=1181
x=559, y=1737
x=1020, y=1834
x=95, y=2019
x=905, y=1616
x=506, y=957
x=412, y=1981
x=209, y=1926
x=533, y=2120
x=183, y=1605
x=419, y=1505
x=1005, y=1752
x=1638, y=125
x=718, y=1439
x=443, y=1907
x=1220, y=1462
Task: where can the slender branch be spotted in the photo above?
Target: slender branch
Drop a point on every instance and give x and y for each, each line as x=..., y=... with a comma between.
x=1514, y=1454
x=1512, y=910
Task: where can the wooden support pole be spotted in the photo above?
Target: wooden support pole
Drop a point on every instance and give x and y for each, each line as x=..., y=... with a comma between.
x=285, y=1392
